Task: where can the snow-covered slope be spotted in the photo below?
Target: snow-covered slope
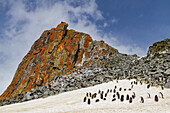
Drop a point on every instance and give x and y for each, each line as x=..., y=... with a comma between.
x=73, y=101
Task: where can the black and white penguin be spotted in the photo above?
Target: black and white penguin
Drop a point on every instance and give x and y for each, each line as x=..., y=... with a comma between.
x=140, y=82
x=156, y=98
x=148, y=86
x=107, y=90
x=94, y=95
x=118, y=95
x=87, y=94
x=114, y=95
x=133, y=96
x=99, y=91
x=90, y=94
x=101, y=96
x=105, y=94
x=148, y=95
x=120, y=89
x=97, y=100
x=127, y=97
x=141, y=99
x=114, y=91
x=130, y=100
x=162, y=87
x=114, y=99
x=122, y=98
x=161, y=95
x=115, y=86
x=84, y=100
x=88, y=101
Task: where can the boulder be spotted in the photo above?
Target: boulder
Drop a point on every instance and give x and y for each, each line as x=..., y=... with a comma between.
x=167, y=85
x=167, y=72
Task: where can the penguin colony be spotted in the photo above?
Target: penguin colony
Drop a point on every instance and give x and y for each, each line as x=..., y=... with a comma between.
x=116, y=95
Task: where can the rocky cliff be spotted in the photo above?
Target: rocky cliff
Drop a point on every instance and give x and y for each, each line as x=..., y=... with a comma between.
x=63, y=60
x=159, y=47
x=57, y=52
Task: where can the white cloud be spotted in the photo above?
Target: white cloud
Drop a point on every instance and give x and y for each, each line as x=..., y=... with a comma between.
x=105, y=24
x=114, y=20
x=28, y=20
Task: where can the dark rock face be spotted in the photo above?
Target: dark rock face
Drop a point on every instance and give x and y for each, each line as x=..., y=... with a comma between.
x=63, y=60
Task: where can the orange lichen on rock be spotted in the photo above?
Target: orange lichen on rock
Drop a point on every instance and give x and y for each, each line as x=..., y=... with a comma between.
x=87, y=40
x=57, y=52
x=101, y=44
x=62, y=26
x=46, y=78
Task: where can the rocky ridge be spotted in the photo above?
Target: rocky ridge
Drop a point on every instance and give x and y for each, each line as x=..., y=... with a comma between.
x=76, y=61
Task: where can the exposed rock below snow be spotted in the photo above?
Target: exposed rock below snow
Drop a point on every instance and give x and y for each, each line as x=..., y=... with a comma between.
x=63, y=60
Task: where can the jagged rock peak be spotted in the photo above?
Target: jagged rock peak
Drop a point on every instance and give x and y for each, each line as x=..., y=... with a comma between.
x=57, y=52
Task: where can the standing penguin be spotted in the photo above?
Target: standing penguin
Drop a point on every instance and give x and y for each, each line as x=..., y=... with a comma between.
x=101, y=96
x=148, y=86
x=99, y=91
x=88, y=102
x=114, y=91
x=114, y=95
x=90, y=94
x=141, y=99
x=118, y=95
x=107, y=90
x=133, y=96
x=127, y=97
x=148, y=95
x=140, y=82
x=87, y=94
x=156, y=98
x=162, y=87
x=106, y=94
x=130, y=100
x=120, y=89
x=84, y=100
x=122, y=98
x=115, y=86
x=161, y=95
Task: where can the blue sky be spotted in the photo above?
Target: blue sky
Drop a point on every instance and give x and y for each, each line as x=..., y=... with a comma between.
x=130, y=26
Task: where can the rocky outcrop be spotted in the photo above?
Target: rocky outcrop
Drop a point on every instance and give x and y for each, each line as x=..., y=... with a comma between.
x=159, y=47
x=62, y=60
x=57, y=52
